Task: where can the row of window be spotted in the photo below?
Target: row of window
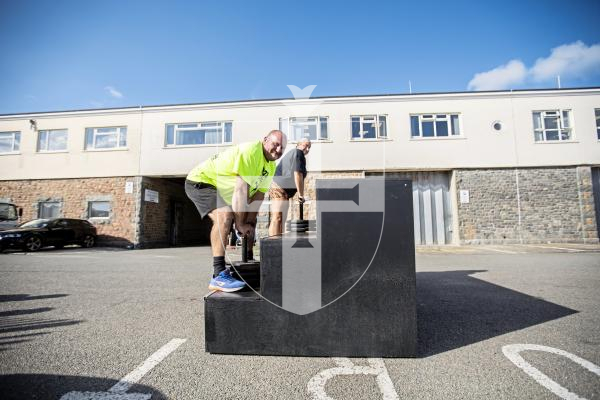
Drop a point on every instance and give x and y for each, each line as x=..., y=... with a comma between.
x=96, y=209
x=56, y=139
x=548, y=126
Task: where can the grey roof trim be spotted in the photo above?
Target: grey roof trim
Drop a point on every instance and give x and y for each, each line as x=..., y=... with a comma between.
x=327, y=99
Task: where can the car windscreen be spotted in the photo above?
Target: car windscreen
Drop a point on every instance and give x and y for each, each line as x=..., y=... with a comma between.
x=36, y=223
x=8, y=212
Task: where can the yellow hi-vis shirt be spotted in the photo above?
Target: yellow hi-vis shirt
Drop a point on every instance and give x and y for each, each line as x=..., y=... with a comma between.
x=246, y=160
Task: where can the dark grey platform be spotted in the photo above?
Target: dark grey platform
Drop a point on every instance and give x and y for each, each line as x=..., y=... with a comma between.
x=346, y=290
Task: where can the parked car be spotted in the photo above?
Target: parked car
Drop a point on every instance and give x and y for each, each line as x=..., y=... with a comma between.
x=57, y=232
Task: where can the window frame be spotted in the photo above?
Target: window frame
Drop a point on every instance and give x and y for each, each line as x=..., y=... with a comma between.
x=89, y=210
x=285, y=125
x=560, y=125
x=16, y=142
x=378, y=124
x=597, y=116
x=198, y=126
x=433, y=119
x=58, y=207
x=121, y=136
x=48, y=133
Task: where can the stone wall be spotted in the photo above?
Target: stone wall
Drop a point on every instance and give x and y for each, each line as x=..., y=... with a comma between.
x=73, y=195
x=530, y=205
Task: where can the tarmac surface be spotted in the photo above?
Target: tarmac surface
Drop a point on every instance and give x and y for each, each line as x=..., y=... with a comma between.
x=121, y=324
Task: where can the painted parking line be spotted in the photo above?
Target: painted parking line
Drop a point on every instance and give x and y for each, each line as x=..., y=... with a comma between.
x=554, y=247
x=316, y=386
x=118, y=391
x=512, y=351
x=502, y=251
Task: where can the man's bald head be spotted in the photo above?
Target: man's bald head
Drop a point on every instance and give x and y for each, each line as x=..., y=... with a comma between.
x=274, y=145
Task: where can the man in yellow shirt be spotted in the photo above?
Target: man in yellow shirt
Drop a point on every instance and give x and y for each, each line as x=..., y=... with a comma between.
x=229, y=187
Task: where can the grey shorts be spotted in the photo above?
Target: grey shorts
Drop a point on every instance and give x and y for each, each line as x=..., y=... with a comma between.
x=205, y=197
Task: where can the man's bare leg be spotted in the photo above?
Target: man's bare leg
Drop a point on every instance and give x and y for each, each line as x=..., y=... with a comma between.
x=222, y=219
x=279, y=210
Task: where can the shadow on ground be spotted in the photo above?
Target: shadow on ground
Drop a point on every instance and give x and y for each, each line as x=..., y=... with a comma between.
x=26, y=324
x=455, y=309
x=42, y=386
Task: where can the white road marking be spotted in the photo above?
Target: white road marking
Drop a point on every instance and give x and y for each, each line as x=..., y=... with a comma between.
x=554, y=247
x=316, y=386
x=105, y=396
x=117, y=392
x=512, y=351
x=501, y=251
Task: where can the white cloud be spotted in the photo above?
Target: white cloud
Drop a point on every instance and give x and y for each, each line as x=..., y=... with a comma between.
x=114, y=92
x=569, y=60
x=502, y=77
x=574, y=60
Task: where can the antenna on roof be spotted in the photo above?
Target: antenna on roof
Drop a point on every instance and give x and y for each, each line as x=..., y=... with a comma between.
x=558, y=80
x=409, y=87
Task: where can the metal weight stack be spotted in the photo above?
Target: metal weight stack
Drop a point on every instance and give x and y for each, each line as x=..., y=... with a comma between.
x=299, y=225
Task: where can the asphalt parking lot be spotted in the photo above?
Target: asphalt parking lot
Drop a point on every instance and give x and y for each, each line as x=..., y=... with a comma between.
x=117, y=324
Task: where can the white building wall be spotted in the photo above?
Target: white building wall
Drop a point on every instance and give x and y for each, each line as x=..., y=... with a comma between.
x=75, y=162
x=479, y=146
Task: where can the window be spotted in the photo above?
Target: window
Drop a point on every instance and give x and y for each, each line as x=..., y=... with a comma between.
x=198, y=133
x=314, y=128
x=369, y=127
x=597, y=110
x=54, y=140
x=554, y=125
x=8, y=212
x=10, y=142
x=434, y=125
x=105, y=138
x=48, y=209
x=98, y=209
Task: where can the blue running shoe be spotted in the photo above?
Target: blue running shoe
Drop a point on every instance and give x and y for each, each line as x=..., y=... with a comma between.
x=225, y=283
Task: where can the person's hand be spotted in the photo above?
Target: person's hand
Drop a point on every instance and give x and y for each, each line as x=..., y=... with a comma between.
x=301, y=200
x=244, y=229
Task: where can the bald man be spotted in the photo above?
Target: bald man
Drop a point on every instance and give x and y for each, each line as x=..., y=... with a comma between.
x=229, y=187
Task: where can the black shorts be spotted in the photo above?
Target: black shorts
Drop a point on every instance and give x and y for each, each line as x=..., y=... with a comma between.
x=205, y=196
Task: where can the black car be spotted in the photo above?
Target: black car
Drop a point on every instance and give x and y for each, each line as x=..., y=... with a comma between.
x=57, y=232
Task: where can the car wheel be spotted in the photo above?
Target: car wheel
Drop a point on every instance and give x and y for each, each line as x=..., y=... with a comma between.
x=88, y=241
x=33, y=243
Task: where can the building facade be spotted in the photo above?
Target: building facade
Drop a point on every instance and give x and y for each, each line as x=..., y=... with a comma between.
x=487, y=167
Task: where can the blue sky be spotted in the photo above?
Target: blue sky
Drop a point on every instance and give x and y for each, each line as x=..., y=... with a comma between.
x=59, y=55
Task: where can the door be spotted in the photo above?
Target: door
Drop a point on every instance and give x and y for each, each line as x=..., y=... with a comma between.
x=432, y=206
x=175, y=222
x=59, y=232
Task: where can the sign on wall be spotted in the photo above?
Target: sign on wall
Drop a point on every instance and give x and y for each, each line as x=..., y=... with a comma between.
x=464, y=196
x=128, y=187
x=151, y=196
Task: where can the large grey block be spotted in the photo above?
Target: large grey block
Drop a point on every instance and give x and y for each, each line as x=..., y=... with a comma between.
x=361, y=285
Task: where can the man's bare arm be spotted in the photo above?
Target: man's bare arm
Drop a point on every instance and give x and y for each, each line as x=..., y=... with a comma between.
x=254, y=207
x=239, y=204
x=299, y=179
